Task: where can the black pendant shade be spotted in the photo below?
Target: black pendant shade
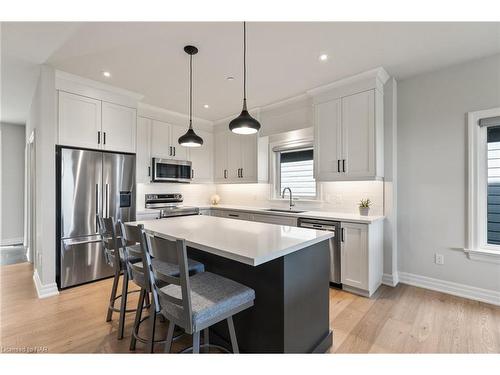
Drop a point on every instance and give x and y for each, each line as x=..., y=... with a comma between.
x=190, y=139
x=244, y=123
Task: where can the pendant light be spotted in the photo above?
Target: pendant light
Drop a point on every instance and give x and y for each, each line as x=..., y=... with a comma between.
x=244, y=123
x=190, y=139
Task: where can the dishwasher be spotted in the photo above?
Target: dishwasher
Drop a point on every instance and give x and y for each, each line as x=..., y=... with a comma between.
x=332, y=226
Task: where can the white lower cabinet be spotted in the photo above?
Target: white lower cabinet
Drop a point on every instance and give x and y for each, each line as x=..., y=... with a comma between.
x=361, y=257
x=276, y=219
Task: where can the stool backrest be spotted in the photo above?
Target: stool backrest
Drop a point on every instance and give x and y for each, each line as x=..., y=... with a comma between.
x=132, y=235
x=110, y=243
x=172, y=251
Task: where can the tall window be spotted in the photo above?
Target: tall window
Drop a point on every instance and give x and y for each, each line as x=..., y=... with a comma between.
x=295, y=170
x=493, y=200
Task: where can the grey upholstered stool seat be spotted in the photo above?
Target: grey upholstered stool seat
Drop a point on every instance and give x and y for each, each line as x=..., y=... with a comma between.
x=211, y=296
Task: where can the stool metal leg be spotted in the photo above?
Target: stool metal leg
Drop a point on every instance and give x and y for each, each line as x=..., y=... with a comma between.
x=206, y=339
x=111, y=305
x=123, y=306
x=170, y=336
x=232, y=334
x=196, y=342
x=152, y=317
x=138, y=315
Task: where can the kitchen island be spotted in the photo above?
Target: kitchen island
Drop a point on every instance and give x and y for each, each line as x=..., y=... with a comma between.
x=288, y=268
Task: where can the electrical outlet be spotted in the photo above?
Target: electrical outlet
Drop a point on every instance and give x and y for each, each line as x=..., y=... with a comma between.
x=439, y=259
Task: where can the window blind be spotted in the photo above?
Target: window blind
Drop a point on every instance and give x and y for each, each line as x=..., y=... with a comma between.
x=296, y=172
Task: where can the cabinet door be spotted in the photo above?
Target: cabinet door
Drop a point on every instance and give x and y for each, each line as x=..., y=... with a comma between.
x=328, y=140
x=220, y=156
x=276, y=219
x=118, y=127
x=234, y=153
x=179, y=152
x=354, y=255
x=202, y=159
x=160, y=140
x=79, y=121
x=235, y=215
x=143, y=152
x=249, y=150
x=358, y=134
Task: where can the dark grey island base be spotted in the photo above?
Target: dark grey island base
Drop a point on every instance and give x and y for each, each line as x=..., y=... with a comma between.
x=291, y=310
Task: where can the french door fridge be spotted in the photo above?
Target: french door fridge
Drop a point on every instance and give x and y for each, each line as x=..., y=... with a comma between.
x=89, y=183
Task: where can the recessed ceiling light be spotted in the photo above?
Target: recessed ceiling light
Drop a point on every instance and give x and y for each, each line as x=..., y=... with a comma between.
x=206, y=106
x=323, y=57
x=106, y=74
x=230, y=78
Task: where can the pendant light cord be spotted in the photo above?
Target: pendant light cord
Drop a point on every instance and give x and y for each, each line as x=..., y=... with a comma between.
x=244, y=65
x=190, y=91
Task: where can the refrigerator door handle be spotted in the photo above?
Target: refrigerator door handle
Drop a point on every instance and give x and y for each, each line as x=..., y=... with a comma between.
x=96, y=206
x=107, y=200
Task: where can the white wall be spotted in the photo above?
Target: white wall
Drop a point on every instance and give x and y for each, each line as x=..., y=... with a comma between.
x=12, y=185
x=432, y=170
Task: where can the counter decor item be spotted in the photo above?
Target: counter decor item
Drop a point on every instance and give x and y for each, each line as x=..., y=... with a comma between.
x=215, y=199
x=364, y=206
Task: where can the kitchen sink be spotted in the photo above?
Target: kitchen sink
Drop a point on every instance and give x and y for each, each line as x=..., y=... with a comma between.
x=289, y=211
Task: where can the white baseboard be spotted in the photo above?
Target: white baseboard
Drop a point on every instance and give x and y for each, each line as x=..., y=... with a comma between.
x=11, y=241
x=390, y=279
x=456, y=289
x=44, y=291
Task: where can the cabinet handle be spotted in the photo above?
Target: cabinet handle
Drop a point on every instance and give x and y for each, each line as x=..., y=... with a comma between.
x=343, y=165
x=225, y=173
x=169, y=150
x=98, y=138
x=342, y=235
x=233, y=215
x=238, y=173
x=192, y=173
x=149, y=171
x=104, y=138
x=338, y=165
x=241, y=172
x=174, y=150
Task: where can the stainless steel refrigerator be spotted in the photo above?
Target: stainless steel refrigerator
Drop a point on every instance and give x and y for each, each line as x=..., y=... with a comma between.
x=89, y=183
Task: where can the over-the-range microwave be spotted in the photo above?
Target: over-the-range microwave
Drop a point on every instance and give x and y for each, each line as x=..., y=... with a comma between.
x=168, y=170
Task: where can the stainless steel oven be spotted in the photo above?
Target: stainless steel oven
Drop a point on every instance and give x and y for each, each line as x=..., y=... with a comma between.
x=168, y=170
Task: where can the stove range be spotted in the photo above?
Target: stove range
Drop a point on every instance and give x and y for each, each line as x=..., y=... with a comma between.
x=170, y=205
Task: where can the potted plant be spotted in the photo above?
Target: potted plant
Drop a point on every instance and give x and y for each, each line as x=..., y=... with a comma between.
x=364, y=206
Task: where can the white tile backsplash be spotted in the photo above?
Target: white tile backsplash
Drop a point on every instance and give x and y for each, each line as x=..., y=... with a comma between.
x=342, y=197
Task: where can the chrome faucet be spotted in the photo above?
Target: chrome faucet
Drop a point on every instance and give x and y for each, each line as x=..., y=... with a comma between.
x=291, y=198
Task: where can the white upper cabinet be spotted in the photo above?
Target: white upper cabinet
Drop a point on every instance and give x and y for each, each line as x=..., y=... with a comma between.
x=328, y=135
x=358, y=135
x=349, y=128
x=349, y=137
x=178, y=152
x=220, y=156
x=236, y=157
x=143, y=152
x=91, y=123
x=79, y=121
x=118, y=127
x=161, y=146
x=202, y=159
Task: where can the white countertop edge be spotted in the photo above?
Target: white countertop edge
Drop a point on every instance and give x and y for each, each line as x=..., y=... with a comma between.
x=322, y=215
x=247, y=260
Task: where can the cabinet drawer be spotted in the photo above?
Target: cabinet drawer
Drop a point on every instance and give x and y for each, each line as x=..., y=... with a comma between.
x=235, y=215
x=275, y=219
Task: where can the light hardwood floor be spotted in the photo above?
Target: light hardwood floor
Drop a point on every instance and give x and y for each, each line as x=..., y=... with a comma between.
x=404, y=319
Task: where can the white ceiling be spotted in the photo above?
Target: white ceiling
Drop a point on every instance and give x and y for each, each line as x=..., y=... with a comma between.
x=282, y=57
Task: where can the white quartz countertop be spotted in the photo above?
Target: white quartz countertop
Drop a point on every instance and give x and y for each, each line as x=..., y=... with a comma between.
x=326, y=215
x=248, y=242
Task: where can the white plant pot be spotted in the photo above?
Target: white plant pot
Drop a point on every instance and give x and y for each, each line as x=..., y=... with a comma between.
x=363, y=211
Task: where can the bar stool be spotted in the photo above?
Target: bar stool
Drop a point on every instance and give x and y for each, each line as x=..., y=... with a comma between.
x=115, y=259
x=194, y=303
x=133, y=235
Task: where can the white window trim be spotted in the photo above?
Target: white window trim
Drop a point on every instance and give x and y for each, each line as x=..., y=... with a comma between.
x=306, y=142
x=477, y=247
